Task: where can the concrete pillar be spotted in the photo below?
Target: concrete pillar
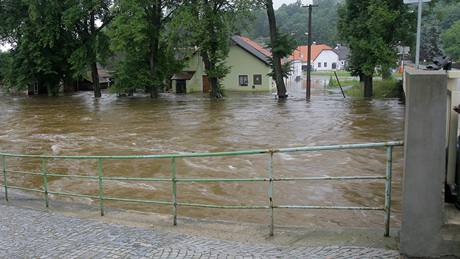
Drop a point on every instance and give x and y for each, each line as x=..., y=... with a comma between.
x=425, y=163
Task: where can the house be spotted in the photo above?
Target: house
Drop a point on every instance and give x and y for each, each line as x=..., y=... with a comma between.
x=323, y=58
x=86, y=83
x=249, y=69
x=343, y=53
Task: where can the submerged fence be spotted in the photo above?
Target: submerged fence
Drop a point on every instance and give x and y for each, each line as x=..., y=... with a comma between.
x=174, y=203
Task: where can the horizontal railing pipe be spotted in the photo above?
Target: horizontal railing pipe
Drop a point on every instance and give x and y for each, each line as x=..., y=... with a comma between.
x=214, y=154
x=173, y=180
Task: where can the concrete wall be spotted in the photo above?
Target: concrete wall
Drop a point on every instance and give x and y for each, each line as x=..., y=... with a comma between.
x=425, y=163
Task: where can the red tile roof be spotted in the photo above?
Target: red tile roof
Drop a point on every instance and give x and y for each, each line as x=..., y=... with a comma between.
x=256, y=45
x=301, y=52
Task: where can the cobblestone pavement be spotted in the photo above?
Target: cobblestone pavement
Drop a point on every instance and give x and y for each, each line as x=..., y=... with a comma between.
x=26, y=233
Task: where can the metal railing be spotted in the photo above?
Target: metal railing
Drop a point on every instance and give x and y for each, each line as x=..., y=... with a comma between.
x=174, y=180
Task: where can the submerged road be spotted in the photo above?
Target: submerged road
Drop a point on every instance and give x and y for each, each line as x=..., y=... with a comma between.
x=29, y=233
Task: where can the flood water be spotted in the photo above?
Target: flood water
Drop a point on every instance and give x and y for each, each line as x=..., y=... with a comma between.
x=77, y=124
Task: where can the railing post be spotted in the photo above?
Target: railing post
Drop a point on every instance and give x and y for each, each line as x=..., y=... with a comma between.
x=5, y=182
x=270, y=191
x=174, y=190
x=101, y=186
x=45, y=180
x=388, y=190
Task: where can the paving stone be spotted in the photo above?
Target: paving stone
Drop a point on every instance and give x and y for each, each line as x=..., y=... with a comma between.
x=27, y=233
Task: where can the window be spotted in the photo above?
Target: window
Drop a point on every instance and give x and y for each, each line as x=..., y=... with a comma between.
x=304, y=67
x=319, y=64
x=325, y=64
x=257, y=79
x=243, y=80
x=334, y=65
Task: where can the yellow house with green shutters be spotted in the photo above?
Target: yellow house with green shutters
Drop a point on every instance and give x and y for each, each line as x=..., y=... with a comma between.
x=248, y=62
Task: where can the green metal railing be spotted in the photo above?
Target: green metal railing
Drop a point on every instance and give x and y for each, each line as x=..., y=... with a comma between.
x=174, y=180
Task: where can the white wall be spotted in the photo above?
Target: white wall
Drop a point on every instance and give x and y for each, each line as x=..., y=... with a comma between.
x=327, y=58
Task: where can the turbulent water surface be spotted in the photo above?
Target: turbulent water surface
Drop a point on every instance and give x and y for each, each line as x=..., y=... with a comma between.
x=77, y=124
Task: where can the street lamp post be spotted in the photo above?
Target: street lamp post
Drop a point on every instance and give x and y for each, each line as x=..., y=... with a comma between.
x=419, y=27
x=419, y=32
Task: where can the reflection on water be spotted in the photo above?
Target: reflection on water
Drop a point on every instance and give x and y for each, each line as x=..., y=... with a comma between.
x=78, y=124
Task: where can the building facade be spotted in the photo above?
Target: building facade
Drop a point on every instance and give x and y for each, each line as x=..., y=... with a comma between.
x=249, y=69
x=323, y=58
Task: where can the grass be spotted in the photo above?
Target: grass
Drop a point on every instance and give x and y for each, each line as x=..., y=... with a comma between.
x=382, y=89
x=340, y=73
x=333, y=82
x=390, y=88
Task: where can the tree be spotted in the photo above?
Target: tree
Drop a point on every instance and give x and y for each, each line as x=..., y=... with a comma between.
x=276, y=40
x=80, y=18
x=372, y=29
x=431, y=33
x=451, y=41
x=138, y=37
x=210, y=23
x=41, y=44
x=292, y=20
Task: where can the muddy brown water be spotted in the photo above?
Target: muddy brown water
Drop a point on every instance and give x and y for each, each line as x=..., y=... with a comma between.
x=79, y=125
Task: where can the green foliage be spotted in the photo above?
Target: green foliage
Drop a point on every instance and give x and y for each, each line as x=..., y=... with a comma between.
x=447, y=12
x=372, y=29
x=80, y=18
x=431, y=33
x=292, y=20
x=284, y=45
x=145, y=42
x=208, y=25
x=130, y=41
x=41, y=44
x=451, y=41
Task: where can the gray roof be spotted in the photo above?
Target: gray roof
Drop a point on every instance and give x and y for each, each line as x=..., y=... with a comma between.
x=184, y=75
x=250, y=49
x=342, y=52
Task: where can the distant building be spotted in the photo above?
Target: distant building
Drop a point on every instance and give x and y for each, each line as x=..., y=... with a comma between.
x=323, y=58
x=249, y=66
x=86, y=83
x=344, y=54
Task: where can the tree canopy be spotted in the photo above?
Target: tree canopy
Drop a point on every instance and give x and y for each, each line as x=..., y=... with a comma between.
x=451, y=41
x=372, y=29
x=292, y=20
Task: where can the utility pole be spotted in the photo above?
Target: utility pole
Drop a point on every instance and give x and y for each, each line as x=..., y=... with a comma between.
x=310, y=7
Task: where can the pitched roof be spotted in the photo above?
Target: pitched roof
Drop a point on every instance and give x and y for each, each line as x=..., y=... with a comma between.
x=342, y=52
x=301, y=53
x=184, y=75
x=253, y=48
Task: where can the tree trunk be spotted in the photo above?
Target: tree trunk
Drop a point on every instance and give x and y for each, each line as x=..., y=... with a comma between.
x=95, y=77
x=368, y=86
x=155, y=17
x=213, y=81
x=361, y=77
x=209, y=60
x=277, y=68
x=153, y=93
x=94, y=73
